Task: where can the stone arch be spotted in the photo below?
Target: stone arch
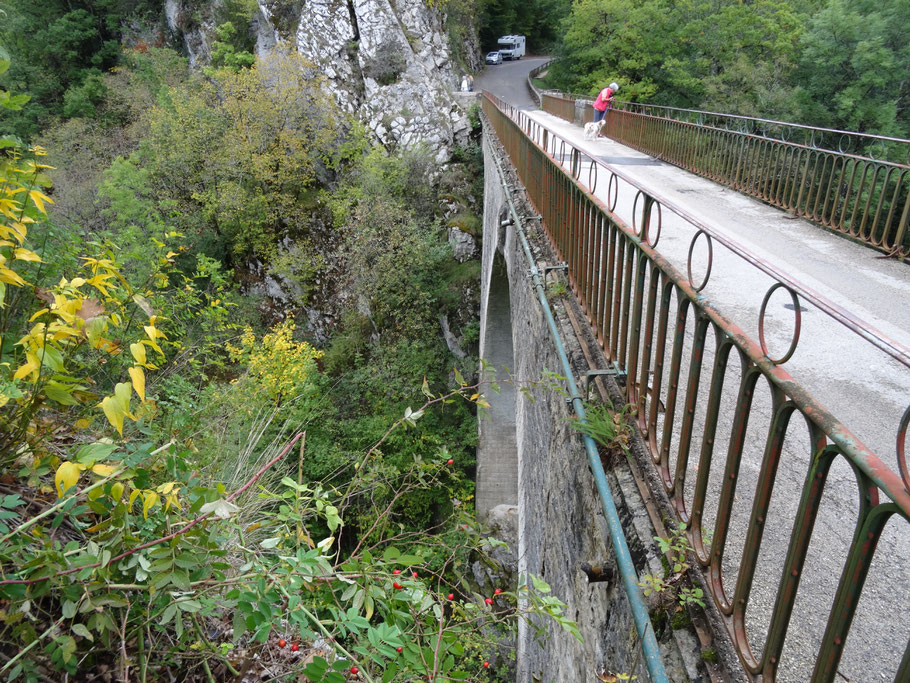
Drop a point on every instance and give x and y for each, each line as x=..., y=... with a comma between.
x=497, y=450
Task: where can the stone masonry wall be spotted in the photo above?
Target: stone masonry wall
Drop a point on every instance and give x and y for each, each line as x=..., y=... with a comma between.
x=561, y=521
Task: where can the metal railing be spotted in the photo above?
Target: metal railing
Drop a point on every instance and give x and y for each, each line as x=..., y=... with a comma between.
x=536, y=93
x=627, y=291
x=643, y=627
x=852, y=183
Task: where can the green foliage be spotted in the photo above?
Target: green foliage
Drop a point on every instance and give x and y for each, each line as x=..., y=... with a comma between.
x=835, y=64
x=607, y=426
x=709, y=654
x=538, y=20
x=853, y=65
x=126, y=580
x=670, y=590
x=224, y=52
x=144, y=400
x=274, y=125
x=59, y=49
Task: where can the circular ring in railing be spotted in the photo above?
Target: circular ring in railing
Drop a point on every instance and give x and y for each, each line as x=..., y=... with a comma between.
x=796, y=327
x=882, y=150
x=902, y=448
x=660, y=221
x=592, y=173
x=710, y=260
x=840, y=143
x=612, y=191
x=575, y=168
x=635, y=229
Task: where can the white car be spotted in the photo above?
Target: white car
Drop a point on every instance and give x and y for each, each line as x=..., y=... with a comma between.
x=493, y=58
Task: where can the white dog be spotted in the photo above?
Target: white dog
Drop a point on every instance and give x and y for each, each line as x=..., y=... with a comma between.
x=592, y=129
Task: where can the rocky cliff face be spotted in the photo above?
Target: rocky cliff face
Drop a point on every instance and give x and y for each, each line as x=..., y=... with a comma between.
x=388, y=60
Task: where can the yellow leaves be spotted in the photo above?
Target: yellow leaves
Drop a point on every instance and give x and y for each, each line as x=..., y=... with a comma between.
x=39, y=198
x=138, y=351
x=103, y=470
x=117, y=491
x=169, y=490
x=22, y=254
x=152, y=498
x=154, y=333
x=138, y=377
x=47, y=363
x=10, y=277
x=281, y=366
x=66, y=477
x=26, y=369
x=117, y=407
x=149, y=500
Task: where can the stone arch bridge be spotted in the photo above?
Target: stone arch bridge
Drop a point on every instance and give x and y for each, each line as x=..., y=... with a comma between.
x=766, y=409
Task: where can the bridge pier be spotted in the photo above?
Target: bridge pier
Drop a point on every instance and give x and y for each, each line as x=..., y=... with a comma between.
x=497, y=471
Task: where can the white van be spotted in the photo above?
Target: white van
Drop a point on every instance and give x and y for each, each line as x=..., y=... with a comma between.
x=512, y=47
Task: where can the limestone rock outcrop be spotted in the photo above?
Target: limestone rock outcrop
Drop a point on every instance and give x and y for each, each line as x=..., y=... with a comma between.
x=389, y=61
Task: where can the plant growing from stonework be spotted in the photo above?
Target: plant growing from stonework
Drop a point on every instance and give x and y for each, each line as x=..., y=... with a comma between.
x=675, y=549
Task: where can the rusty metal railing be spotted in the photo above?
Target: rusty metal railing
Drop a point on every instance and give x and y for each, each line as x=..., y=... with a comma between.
x=641, y=309
x=852, y=183
x=559, y=106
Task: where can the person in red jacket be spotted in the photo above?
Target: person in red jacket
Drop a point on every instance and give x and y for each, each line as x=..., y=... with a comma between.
x=604, y=101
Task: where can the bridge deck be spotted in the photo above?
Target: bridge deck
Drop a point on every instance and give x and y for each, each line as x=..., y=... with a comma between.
x=865, y=388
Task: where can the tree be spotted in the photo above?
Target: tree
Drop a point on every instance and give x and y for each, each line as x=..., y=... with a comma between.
x=232, y=161
x=853, y=67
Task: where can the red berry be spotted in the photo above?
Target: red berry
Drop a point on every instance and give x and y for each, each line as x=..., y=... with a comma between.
x=489, y=601
x=486, y=665
x=450, y=462
x=497, y=591
x=396, y=572
x=294, y=647
x=399, y=649
x=414, y=574
x=396, y=585
x=282, y=642
x=355, y=670
x=451, y=596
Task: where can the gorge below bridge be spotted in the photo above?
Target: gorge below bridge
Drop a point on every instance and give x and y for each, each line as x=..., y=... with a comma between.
x=765, y=362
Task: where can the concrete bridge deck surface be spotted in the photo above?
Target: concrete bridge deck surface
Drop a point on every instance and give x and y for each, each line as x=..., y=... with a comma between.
x=864, y=388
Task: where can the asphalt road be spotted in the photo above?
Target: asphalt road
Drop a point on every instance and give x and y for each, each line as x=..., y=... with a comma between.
x=865, y=389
